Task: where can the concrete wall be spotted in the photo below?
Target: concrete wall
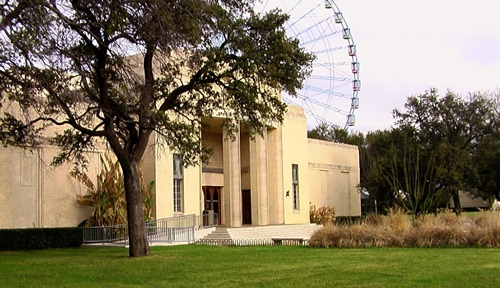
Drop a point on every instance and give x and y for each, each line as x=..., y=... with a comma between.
x=6, y=192
x=213, y=141
x=164, y=178
x=294, y=149
x=34, y=194
x=213, y=176
x=334, y=176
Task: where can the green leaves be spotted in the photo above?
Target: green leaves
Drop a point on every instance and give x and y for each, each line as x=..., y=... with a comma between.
x=451, y=127
x=107, y=196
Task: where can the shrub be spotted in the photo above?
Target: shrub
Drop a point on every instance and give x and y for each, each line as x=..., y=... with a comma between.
x=40, y=238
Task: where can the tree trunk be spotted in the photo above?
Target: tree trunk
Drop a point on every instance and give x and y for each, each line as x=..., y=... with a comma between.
x=457, y=203
x=138, y=241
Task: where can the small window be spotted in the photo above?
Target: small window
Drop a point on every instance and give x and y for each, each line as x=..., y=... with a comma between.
x=178, y=183
x=295, y=186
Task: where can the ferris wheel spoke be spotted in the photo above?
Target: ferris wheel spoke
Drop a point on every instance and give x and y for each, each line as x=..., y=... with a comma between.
x=303, y=30
x=330, y=93
x=301, y=17
x=322, y=92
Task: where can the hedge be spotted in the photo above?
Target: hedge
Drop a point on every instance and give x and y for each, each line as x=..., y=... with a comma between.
x=40, y=238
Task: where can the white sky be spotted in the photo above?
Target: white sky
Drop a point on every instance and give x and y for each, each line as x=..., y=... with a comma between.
x=407, y=47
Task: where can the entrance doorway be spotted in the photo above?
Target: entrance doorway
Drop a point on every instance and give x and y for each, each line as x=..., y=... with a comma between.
x=246, y=199
x=212, y=200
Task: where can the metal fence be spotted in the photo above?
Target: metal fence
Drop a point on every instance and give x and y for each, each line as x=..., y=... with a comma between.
x=249, y=242
x=174, y=229
x=106, y=234
x=208, y=219
x=167, y=230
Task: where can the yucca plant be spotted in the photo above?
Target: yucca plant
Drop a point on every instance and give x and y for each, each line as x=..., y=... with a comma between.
x=108, y=196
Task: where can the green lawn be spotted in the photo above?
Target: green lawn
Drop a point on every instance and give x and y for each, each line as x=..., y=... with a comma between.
x=270, y=266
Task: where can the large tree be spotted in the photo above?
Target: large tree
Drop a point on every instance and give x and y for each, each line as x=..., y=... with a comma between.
x=413, y=173
x=376, y=152
x=66, y=66
x=450, y=126
x=487, y=158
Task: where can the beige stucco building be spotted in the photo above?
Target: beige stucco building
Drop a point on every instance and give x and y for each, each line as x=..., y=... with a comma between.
x=269, y=180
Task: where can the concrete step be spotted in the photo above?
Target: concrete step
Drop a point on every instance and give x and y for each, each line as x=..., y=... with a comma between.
x=273, y=231
x=219, y=233
x=261, y=232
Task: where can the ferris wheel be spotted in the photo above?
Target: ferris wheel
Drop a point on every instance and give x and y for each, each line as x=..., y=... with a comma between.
x=331, y=93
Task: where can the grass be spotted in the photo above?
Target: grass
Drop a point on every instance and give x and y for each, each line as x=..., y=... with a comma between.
x=253, y=266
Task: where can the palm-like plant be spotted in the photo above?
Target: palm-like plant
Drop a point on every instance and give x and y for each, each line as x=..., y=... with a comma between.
x=108, y=196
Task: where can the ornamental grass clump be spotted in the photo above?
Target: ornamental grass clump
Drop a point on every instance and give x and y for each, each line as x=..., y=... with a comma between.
x=375, y=231
x=487, y=233
x=324, y=215
x=442, y=230
x=397, y=229
x=356, y=236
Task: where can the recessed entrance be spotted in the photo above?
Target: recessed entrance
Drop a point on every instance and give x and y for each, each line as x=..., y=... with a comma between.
x=246, y=199
x=212, y=200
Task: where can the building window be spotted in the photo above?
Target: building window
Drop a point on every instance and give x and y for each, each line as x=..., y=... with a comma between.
x=295, y=186
x=178, y=183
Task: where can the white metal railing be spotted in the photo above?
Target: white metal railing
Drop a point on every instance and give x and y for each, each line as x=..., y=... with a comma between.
x=173, y=229
x=106, y=234
x=208, y=219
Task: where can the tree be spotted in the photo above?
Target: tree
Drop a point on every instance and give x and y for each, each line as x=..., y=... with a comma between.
x=335, y=133
x=66, y=65
x=486, y=156
x=376, y=160
x=450, y=126
x=413, y=174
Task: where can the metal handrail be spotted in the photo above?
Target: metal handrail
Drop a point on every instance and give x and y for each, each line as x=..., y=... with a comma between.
x=173, y=229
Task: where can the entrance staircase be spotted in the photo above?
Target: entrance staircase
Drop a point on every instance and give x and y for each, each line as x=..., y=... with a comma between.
x=257, y=235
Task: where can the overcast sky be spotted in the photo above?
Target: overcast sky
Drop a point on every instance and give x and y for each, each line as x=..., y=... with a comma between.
x=406, y=47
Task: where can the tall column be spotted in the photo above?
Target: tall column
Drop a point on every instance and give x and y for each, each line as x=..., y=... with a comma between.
x=259, y=180
x=232, y=181
x=275, y=174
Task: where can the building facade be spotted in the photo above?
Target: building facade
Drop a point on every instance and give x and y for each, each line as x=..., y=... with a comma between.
x=262, y=181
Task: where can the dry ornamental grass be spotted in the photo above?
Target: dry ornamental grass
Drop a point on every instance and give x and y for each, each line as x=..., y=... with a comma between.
x=398, y=230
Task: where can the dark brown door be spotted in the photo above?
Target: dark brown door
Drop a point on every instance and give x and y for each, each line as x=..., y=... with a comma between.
x=246, y=197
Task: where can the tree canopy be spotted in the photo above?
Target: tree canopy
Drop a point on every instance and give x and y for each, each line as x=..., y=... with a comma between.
x=68, y=64
x=451, y=126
